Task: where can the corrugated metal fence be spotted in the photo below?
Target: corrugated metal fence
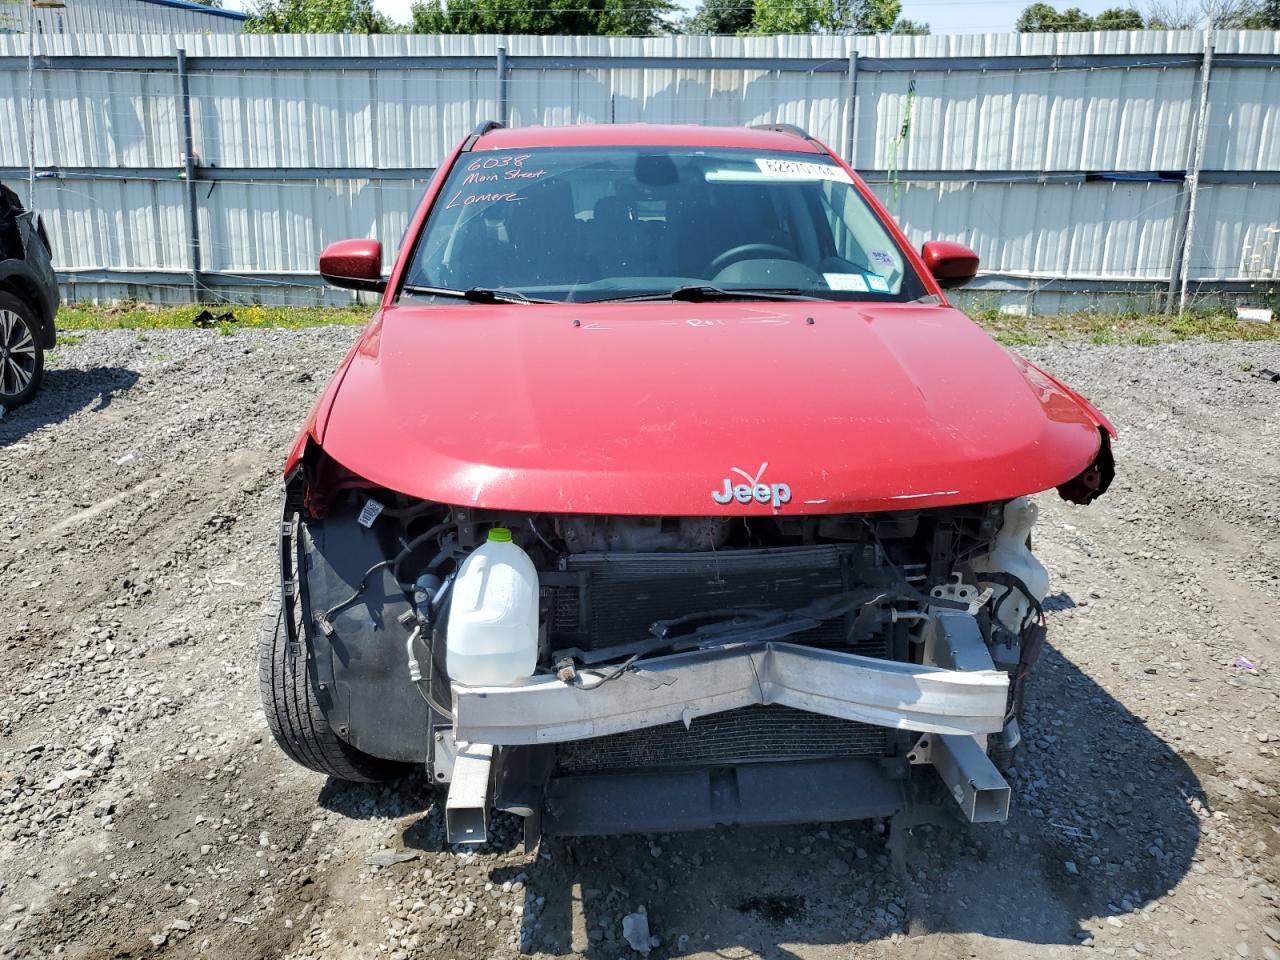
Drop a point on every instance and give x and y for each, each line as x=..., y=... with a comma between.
x=125, y=16
x=1067, y=161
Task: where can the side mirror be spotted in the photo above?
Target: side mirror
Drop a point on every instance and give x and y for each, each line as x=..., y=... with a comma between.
x=952, y=264
x=354, y=264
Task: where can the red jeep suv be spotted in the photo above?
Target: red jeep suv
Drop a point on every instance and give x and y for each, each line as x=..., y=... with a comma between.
x=666, y=489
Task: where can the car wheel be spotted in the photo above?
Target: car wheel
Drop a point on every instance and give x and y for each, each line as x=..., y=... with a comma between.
x=296, y=719
x=21, y=355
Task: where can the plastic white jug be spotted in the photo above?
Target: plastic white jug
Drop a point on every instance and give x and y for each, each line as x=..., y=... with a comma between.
x=493, y=617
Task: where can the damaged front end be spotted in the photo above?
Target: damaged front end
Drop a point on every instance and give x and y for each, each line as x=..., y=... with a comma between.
x=688, y=671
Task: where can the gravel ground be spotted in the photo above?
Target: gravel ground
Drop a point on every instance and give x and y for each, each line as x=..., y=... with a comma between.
x=145, y=811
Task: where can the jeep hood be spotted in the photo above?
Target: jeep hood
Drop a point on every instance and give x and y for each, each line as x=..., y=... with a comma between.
x=650, y=409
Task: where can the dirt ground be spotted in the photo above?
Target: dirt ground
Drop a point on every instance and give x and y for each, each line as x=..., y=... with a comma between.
x=144, y=810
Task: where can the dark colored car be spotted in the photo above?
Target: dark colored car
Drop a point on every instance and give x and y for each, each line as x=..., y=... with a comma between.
x=28, y=300
x=667, y=489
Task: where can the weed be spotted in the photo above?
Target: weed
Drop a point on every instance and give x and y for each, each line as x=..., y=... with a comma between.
x=1130, y=326
x=146, y=316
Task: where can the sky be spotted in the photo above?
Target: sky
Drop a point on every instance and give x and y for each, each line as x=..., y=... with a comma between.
x=944, y=16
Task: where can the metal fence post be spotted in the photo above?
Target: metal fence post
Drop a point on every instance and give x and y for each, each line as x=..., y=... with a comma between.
x=189, y=175
x=1193, y=175
x=502, y=85
x=851, y=125
x=31, y=109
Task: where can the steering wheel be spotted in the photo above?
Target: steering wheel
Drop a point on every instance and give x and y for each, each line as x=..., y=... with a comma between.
x=748, y=251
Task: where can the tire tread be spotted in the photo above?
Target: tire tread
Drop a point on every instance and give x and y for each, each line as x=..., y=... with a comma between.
x=296, y=719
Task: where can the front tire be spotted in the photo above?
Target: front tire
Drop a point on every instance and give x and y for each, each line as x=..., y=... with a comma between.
x=296, y=719
x=21, y=354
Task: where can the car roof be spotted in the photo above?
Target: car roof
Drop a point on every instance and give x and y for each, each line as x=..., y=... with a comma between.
x=646, y=135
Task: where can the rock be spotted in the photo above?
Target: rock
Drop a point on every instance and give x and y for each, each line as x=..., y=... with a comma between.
x=1273, y=931
x=1242, y=950
x=388, y=858
x=635, y=930
x=66, y=777
x=1071, y=868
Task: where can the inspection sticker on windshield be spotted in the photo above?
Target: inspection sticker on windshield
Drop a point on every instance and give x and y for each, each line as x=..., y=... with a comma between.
x=877, y=283
x=800, y=170
x=846, y=281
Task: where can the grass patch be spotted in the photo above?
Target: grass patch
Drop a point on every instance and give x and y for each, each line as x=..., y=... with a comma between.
x=1133, y=329
x=146, y=316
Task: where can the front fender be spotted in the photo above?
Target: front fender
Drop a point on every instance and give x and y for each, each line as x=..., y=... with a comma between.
x=359, y=671
x=318, y=418
x=38, y=287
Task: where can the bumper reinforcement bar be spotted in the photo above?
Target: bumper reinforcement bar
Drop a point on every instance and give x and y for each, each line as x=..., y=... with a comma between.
x=680, y=687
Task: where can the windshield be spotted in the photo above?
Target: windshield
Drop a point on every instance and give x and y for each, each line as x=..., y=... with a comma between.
x=610, y=223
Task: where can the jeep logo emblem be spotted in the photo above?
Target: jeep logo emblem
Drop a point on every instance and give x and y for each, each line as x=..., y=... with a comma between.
x=763, y=493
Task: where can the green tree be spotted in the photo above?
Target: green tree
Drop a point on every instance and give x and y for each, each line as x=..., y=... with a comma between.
x=721, y=17
x=543, y=17
x=790, y=16
x=1074, y=20
x=1264, y=16
x=318, y=16
x=1037, y=18
x=1119, y=18
x=1042, y=18
x=825, y=16
x=911, y=28
x=628, y=18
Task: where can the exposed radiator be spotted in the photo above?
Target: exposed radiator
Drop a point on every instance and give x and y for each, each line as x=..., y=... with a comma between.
x=749, y=735
x=599, y=600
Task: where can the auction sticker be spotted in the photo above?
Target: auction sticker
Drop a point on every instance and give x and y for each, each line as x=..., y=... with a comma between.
x=846, y=281
x=877, y=283
x=801, y=170
x=372, y=508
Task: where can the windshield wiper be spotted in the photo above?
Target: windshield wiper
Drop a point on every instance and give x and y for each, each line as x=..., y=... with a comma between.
x=474, y=294
x=701, y=293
